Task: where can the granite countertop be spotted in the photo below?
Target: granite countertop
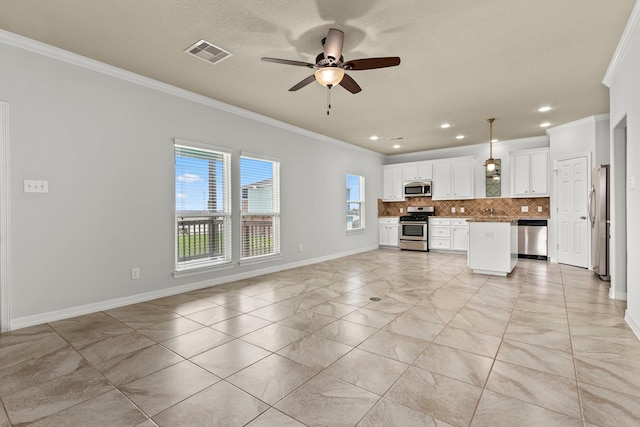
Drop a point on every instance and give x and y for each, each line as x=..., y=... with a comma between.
x=495, y=218
x=482, y=218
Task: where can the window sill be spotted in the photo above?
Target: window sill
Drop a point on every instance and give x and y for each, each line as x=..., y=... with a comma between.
x=260, y=260
x=356, y=230
x=185, y=271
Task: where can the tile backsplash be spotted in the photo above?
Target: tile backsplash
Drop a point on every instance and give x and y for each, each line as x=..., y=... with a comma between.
x=473, y=207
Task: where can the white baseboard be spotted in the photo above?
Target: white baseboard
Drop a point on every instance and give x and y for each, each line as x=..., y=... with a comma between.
x=633, y=323
x=52, y=316
x=622, y=296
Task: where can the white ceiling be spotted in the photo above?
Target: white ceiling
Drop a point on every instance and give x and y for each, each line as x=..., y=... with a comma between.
x=463, y=61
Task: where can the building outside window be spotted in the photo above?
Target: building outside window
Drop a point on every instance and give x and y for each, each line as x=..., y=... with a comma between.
x=355, y=202
x=260, y=207
x=203, y=208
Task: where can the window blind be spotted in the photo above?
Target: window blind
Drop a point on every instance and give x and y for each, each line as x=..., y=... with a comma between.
x=203, y=214
x=260, y=207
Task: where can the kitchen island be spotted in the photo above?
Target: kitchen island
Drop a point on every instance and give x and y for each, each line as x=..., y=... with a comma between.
x=493, y=245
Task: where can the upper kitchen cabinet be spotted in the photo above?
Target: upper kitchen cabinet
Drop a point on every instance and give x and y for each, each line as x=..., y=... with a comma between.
x=530, y=173
x=392, y=183
x=418, y=171
x=453, y=179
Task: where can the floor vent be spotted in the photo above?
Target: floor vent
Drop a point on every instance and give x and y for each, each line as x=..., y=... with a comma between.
x=208, y=52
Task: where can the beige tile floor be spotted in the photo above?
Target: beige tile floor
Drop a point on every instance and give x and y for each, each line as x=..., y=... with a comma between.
x=542, y=347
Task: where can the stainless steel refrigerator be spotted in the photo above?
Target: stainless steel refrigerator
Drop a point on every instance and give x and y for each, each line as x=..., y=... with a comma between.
x=599, y=219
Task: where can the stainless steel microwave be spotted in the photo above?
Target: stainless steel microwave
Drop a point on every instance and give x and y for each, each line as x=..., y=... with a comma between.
x=417, y=189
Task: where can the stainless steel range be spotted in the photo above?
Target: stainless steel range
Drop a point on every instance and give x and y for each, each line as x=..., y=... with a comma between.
x=414, y=228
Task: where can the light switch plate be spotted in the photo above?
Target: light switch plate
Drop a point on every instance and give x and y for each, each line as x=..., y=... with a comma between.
x=524, y=208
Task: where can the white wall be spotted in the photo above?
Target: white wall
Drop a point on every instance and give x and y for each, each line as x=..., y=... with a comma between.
x=103, y=138
x=501, y=150
x=624, y=89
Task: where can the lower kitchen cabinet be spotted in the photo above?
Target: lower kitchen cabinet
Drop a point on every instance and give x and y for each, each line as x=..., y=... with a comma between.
x=493, y=247
x=448, y=234
x=460, y=235
x=389, y=228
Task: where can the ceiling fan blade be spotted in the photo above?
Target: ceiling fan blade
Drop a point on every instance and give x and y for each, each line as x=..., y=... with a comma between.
x=289, y=62
x=333, y=44
x=303, y=83
x=349, y=84
x=371, y=63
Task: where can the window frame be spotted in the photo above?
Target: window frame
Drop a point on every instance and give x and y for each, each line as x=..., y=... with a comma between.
x=194, y=266
x=360, y=201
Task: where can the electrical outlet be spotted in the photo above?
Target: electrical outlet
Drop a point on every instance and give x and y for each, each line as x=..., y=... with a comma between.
x=300, y=247
x=539, y=208
x=401, y=210
x=135, y=273
x=462, y=210
x=453, y=210
x=524, y=209
x=36, y=186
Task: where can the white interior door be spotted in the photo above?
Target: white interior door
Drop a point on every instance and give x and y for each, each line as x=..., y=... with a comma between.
x=573, y=225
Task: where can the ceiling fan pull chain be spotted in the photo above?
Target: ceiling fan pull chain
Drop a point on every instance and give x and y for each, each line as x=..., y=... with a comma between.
x=328, y=99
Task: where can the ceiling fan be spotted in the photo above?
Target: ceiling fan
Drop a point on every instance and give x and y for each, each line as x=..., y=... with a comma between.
x=330, y=66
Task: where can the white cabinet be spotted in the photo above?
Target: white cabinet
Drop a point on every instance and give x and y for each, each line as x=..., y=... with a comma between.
x=389, y=228
x=392, y=190
x=448, y=234
x=453, y=179
x=530, y=173
x=493, y=247
x=418, y=171
x=459, y=235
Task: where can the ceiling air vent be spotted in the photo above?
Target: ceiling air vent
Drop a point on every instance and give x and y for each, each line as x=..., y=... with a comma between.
x=208, y=52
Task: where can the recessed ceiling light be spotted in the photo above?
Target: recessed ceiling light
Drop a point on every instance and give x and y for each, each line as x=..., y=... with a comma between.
x=396, y=146
x=545, y=124
x=544, y=109
x=373, y=138
x=495, y=140
x=445, y=125
x=460, y=137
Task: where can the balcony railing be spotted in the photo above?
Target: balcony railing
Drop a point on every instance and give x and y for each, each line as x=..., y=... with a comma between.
x=202, y=238
x=257, y=236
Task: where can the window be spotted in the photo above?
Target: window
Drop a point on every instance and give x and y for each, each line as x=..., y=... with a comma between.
x=355, y=202
x=260, y=209
x=203, y=214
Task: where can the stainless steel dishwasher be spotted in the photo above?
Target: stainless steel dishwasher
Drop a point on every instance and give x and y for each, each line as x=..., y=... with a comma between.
x=532, y=238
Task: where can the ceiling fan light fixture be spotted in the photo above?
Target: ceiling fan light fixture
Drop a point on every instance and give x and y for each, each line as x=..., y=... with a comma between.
x=329, y=76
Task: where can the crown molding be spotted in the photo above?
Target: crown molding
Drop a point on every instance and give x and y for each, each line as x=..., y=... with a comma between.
x=580, y=122
x=53, y=52
x=628, y=35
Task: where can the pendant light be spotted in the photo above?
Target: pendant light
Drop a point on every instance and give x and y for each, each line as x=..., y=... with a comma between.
x=490, y=164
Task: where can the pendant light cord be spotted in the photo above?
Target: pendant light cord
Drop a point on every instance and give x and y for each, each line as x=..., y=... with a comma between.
x=490, y=138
